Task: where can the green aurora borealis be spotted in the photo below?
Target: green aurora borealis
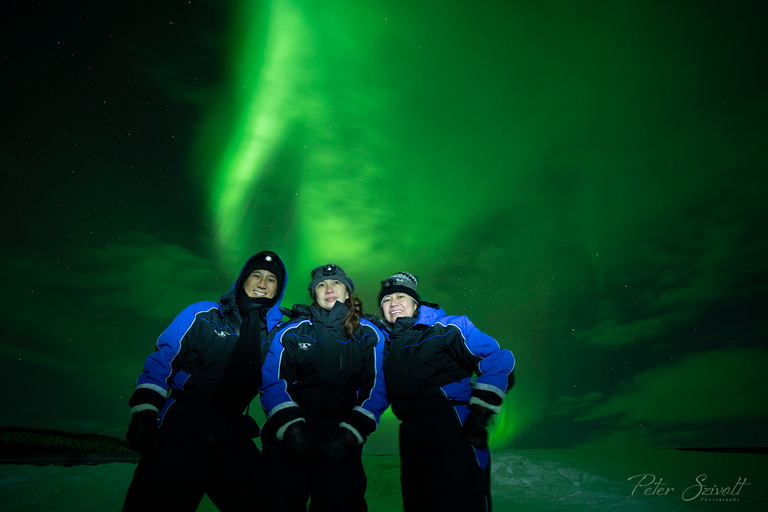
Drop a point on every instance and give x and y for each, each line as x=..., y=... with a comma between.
x=585, y=180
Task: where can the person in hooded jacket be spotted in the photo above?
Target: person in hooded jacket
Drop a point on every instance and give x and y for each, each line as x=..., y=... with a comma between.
x=187, y=410
x=429, y=363
x=323, y=393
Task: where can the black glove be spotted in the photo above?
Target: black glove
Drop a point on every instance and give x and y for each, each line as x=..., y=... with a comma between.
x=298, y=311
x=335, y=449
x=142, y=433
x=296, y=443
x=474, y=430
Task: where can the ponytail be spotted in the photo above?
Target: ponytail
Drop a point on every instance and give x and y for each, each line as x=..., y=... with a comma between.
x=353, y=316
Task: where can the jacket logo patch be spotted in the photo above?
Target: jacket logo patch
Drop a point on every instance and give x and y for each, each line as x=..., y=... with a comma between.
x=304, y=345
x=221, y=334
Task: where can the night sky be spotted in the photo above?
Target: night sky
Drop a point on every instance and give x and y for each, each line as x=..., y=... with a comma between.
x=585, y=180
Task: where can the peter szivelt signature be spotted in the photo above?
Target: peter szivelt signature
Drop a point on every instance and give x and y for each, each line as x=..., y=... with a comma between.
x=649, y=485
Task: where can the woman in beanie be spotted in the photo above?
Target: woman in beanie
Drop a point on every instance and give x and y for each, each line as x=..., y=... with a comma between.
x=187, y=415
x=431, y=359
x=323, y=393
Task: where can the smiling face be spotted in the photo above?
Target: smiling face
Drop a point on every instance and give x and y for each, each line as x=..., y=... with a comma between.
x=261, y=284
x=397, y=305
x=329, y=291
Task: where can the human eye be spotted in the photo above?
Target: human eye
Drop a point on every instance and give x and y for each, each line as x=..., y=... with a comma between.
x=386, y=300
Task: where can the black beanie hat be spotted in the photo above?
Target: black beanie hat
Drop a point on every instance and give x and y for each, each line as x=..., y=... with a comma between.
x=403, y=282
x=265, y=260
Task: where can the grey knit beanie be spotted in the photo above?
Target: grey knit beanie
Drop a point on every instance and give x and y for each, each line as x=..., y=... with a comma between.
x=330, y=271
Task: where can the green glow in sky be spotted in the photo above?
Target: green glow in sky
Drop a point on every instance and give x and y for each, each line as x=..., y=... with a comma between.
x=584, y=180
x=391, y=143
x=265, y=87
x=293, y=73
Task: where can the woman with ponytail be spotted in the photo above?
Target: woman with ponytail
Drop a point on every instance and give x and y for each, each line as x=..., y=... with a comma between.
x=323, y=393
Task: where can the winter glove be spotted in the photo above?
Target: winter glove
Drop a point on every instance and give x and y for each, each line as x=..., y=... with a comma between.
x=245, y=427
x=296, y=443
x=298, y=311
x=474, y=430
x=142, y=433
x=335, y=450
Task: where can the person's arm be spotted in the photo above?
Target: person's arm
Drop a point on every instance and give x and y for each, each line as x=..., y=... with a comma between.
x=279, y=374
x=153, y=385
x=372, y=398
x=493, y=365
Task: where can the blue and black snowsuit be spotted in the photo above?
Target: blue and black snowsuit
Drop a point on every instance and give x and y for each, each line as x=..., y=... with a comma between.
x=316, y=376
x=429, y=364
x=200, y=380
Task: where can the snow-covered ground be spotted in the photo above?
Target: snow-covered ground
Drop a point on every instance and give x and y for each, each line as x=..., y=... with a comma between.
x=523, y=480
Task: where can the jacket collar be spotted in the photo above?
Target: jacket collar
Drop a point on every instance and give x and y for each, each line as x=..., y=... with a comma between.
x=331, y=318
x=227, y=303
x=429, y=313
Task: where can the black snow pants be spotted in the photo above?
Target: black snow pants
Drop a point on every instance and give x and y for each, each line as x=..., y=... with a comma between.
x=200, y=453
x=439, y=470
x=288, y=487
